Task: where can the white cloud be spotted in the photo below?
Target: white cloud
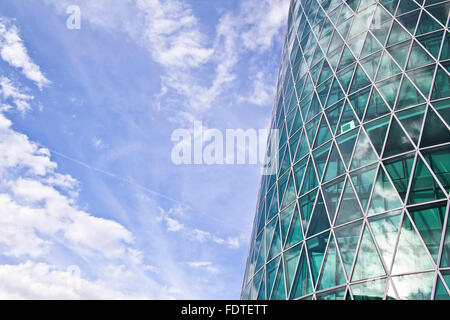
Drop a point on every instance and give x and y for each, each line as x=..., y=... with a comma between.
x=194, y=234
x=10, y=92
x=207, y=265
x=32, y=280
x=14, y=52
x=263, y=92
x=198, y=68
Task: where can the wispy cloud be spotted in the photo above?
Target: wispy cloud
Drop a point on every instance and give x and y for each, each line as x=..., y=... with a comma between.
x=12, y=94
x=13, y=51
x=207, y=265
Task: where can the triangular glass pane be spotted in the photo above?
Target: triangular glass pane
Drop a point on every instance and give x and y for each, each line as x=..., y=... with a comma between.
x=387, y=67
x=434, y=131
x=346, y=144
x=441, y=87
x=276, y=243
x=424, y=187
x=348, y=120
x=293, y=143
x=310, y=180
x=282, y=182
x=335, y=167
x=333, y=58
x=345, y=77
x=255, y=285
x=302, y=285
x=315, y=108
x=271, y=271
x=262, y=291
x=270, y=228
x=384, y=196
x=319, y=221
x=357, y=43
x=397, y=34
x=415, y=286
x=316, y=250
x=323, y=89
x=441, y=292
x=323, y=134
x=336, y=42
x=389, y=89
x=336, y=294
x=285, y=218
x=347, y=238
x=359, y=101
x=273, y=209
x=412, y=120
x=299, y=170
x=397, y=141
x=364, y=153
x=438, y=160
x=279, y=289
x=306, y=204
x=429, y=221
x=295, y=234
x=290, y=193
x=409, y=21
x=320, y=158
x=406, y=6
x=400, y=169
x=333, y=114
x=443, y=109
x=335, y=94
x=376, y=130
x=370, y=46
x=382, y=32
x=363, y=181
x=332, y=193
x=291, y=258
x=368, y=264
x=376, y=107
x=408, y=95
x=332, y=273
x=370, y=290
x=326, y=72
x=349, y=209
x=422, y=78
x=371, y=63
x=360, y=80
x=346, y=59
x=418, y=57
x=385, y=229
x=311, y=129
x=411, y=255
x=427, y=24
x=400, y=52
x=302, y=149
x=440, y=12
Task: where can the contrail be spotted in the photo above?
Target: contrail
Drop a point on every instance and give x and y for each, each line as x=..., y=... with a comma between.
x=134, y=184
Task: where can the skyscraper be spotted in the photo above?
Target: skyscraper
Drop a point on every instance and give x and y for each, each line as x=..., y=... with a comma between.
x=358, y=207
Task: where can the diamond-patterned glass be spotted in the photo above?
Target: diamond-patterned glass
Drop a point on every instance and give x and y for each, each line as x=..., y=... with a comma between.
x=359, y=208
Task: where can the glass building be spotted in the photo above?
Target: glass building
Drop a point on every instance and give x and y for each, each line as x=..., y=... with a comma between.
x=358, y=207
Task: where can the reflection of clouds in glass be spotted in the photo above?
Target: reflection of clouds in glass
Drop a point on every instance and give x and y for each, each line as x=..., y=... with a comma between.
x=411, y=254
x=368, y=263
x=385, y=235
x=363, y=148
x=383, y=194
x=374, y=288
x=417, y=286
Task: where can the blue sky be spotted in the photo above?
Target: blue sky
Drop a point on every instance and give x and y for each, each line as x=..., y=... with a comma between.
x=92, y=205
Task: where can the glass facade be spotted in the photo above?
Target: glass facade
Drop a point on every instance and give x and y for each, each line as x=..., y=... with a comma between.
x=358, y=207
